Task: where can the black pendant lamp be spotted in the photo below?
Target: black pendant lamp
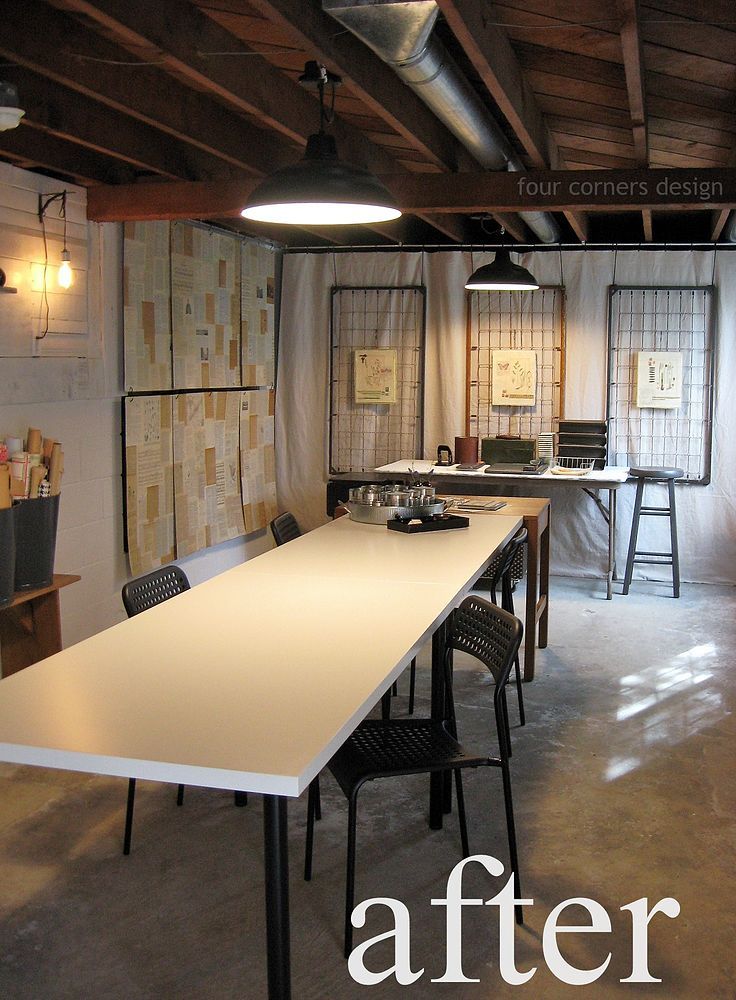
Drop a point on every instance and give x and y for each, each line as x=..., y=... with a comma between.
x=502, y=275
x=321, y=190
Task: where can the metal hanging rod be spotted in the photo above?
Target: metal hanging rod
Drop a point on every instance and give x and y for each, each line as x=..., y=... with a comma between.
x=514, y=248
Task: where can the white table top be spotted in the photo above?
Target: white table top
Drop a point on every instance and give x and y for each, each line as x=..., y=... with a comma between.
x=609, y=477
x=251, y=680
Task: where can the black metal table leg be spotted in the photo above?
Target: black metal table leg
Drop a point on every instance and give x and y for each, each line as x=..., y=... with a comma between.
x=276, y=864
x=436, y=781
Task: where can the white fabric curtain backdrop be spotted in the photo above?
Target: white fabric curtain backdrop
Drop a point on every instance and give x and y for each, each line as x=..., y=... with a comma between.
x=706, y=514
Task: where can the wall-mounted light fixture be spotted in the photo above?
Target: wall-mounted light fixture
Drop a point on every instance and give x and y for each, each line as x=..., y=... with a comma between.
x=10, y=113
x=320, y=189
x=65, y=275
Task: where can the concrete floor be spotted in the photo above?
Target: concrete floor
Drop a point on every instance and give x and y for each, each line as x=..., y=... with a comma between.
x=623, y=784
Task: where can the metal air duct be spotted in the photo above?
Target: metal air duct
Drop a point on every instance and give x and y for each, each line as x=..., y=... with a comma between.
x=401, y=34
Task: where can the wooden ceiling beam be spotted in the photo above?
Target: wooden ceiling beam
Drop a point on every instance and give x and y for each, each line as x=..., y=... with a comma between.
x=32, y=149
x=631, y=47
x=719, y=221
x=495, y=192
x=490, y=52
x=90, y=65
x=180, y=36
x=77, y=119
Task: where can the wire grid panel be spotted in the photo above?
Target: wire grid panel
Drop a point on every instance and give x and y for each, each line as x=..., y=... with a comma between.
x=366, y=435
x=678, y=319
x=532, y=321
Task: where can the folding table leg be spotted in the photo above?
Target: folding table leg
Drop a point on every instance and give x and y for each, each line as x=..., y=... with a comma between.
x=276, y=863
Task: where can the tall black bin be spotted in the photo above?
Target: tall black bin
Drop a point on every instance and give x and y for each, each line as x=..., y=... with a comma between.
x=35, y=542
x=7, y=556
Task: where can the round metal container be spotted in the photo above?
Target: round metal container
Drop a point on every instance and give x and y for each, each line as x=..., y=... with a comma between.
x=374, y=513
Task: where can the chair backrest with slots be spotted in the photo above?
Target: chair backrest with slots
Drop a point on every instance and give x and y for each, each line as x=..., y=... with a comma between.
x=284, y=528
x=488, y=633
x=153, y=588
x=506, y=557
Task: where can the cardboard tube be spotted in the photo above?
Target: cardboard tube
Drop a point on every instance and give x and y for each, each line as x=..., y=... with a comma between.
x=5, y=498
x=38, y=473
x=33, y=441
x=20, y=471
x=17, y=488
x=48, y=444
x=56, y=469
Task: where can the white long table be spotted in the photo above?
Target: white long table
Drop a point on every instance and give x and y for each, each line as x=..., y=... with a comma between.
x=241, y=683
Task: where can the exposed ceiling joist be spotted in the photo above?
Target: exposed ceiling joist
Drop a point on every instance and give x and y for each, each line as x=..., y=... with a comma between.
x=560, y=190
x=120, y=91
x=91, y=66
x=83, y=121
x=27, y=147
x=187, y=42
x=631, y=47
x=489, y=50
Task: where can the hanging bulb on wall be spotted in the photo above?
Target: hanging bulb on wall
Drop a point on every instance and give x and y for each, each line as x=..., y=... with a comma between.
x=66, y=275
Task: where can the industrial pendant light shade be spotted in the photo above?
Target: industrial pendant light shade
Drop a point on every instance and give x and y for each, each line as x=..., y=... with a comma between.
x=502, y=275
x=320, y=190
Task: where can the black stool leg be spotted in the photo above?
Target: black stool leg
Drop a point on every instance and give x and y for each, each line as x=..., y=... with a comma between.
x=412, y=684
x=634, y=535
x=673, y=540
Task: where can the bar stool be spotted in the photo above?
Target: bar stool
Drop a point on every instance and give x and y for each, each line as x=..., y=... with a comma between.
x=654, y=475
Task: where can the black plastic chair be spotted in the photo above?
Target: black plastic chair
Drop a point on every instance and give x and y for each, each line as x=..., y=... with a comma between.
x=285, y=528
x=381, y=748
x=140, y=595
x=503, y=577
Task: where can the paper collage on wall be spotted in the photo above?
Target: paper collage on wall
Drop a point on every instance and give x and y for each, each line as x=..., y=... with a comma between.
x=146, y=312
x=183, y=300
x=659, y=379
x=149, y=482
x=257, y=461
x=257, y=314
x=206, y=465
x=205, y=307
x=514, y=378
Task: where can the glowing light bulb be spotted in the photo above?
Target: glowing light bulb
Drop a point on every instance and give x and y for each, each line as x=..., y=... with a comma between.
x=66, y=275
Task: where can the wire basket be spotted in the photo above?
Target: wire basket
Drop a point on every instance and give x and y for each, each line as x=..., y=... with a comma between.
x=566, y=466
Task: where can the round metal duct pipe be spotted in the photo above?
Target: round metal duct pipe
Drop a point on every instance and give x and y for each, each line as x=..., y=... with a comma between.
x=401, y=34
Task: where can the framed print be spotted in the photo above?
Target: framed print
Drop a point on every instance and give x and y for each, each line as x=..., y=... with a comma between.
x=375, y=375
x=514, y=381
x=659, y=379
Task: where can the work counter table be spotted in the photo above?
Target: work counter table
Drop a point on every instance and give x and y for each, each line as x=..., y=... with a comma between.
x=252, y=680
x=451, y=481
